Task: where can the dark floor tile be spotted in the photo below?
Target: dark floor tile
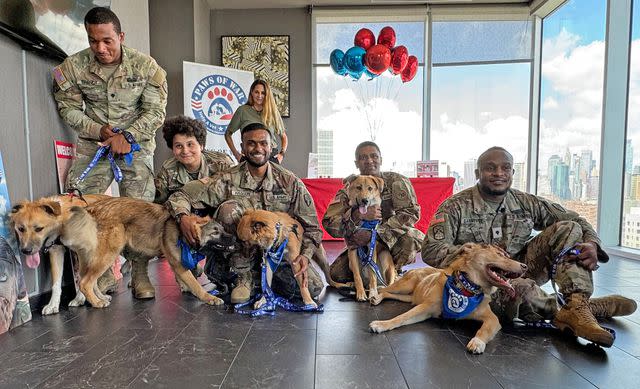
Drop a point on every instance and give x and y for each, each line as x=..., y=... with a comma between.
x=28, y=369
x=347, y=332
x=287, y=321
x=274, y=359
x=358, y=371
x=164, y=314
x=334, y=301
x=627, y=334
x=116, y=361
x=436, y=359
x=25, y=333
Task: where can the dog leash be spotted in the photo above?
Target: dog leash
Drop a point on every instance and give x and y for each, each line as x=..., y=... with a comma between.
x=190, y=257
x=106, y=150
x=366, y=257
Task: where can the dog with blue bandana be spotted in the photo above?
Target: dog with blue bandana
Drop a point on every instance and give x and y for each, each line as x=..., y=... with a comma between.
x=460, y=291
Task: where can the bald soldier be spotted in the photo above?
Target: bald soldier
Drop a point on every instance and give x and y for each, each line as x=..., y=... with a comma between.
x=492, y=212
x=104, y=87
x=398, y=214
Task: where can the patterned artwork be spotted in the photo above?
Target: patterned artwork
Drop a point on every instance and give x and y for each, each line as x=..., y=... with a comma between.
x=267, y=57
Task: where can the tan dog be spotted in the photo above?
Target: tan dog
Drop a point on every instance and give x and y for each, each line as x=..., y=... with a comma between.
x=38, y=225
x=100, y=232
x=484, y=265
x=364, y=192
x=259, y=227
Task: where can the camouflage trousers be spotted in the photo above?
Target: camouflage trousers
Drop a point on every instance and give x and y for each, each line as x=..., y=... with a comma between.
x=403, y=252
x=137, y=182
x=248, y=259
x=539, y=254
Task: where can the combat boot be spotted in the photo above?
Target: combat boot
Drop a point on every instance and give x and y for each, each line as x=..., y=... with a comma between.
x=244, y=285
x=140, y=284
x=613, y=305
x=576, y=316
x=107, y=282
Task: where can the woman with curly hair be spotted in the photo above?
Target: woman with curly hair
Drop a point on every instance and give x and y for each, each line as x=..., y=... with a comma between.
x=260, y=108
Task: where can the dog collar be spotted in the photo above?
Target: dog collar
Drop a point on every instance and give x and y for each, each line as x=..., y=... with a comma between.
x=46, y=246
x=460, y=296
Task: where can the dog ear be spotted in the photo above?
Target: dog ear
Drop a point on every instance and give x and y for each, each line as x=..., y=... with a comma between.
x=17, y=207
x=202, y=220
x=379, y=183
x=52, y=208
x=294, y=229
x=257, y=226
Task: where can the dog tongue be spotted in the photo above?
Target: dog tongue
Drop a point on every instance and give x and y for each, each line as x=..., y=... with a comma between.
x=33, y=260
x=362, y=209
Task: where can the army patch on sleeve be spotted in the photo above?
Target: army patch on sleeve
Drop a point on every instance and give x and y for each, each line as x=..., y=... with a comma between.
x=204, y=180
x=438, y=217
x=307, y=199
x=438, y=232
x=61, y=79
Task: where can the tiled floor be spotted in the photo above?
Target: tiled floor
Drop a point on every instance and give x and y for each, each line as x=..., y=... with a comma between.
x=176, y=342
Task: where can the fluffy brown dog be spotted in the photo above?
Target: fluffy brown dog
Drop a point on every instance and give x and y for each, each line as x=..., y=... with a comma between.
x=258, y=227
x=98, y=233
x=484, y=265
x=364, y=192
x=38, y=225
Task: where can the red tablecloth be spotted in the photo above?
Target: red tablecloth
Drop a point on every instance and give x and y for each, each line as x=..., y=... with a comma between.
x=430, y=192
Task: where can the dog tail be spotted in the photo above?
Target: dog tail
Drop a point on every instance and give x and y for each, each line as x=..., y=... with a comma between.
x=80, y=231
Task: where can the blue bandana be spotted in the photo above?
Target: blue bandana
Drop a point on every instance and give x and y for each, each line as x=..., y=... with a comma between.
x=189, y=257
x=460, y=297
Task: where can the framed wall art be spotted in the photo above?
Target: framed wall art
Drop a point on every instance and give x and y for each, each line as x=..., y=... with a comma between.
x=267, y=56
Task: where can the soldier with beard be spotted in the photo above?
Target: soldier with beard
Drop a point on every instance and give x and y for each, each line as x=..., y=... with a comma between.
x=492, y=212
x=255, y=183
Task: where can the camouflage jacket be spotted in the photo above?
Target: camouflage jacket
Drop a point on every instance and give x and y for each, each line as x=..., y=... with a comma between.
x=279, y=191
x=466, y=217
x=173, y=174
x=400, y=211
x=134, y=98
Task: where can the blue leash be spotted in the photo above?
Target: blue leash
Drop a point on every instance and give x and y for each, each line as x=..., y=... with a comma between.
x=366, y=257
x=190, y=258
x=128, y=158
x=273, y=258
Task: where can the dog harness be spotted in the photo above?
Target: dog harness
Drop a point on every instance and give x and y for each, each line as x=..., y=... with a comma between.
x=128, y=158
x=460, y=296
x=273, y=257
x=365, y=253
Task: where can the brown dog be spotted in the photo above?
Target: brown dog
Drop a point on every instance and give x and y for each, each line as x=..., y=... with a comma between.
x=268, y=229
x=38, y=225
x=485, y=266
x=100, y=232
x=364, y=192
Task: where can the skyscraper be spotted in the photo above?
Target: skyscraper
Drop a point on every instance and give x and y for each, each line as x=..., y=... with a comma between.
x=470, y=172
x=519, y=176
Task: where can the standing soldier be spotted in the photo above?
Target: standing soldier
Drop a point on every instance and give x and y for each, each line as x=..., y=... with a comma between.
x=115, y=96
x=492, y=212
x=398, y=214
x=255, y=183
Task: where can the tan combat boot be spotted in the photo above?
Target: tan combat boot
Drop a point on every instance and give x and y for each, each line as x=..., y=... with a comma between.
x=107, y=282
x=244, y=285
x=613, y=305
x=576, y=317
x=140, y=284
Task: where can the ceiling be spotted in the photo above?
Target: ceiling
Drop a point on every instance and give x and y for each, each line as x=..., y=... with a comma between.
x=245, y=4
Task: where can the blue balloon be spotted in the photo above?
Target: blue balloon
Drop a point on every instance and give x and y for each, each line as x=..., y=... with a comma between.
x=370, y=75
x=354, y=61
x=336, y=59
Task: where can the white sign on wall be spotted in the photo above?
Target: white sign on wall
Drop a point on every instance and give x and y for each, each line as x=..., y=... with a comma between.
x=212, y=94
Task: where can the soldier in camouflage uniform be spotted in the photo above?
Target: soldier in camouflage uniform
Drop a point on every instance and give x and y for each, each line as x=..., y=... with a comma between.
x=186, y=137
x=111, y=86
x=492, y=212
x=255, y=183
x=398, y=214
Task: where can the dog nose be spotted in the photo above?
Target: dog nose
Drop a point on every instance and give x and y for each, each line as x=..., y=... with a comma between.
x=365, y=201
x=27, y=251
x=523, y=266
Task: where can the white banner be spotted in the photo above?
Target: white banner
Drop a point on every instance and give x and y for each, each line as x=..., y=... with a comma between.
x=212, y=94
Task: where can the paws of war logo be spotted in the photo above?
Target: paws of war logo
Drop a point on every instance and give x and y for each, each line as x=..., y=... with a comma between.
x=214, y=99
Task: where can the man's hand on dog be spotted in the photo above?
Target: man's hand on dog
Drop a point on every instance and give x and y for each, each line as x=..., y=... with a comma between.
x=303, y=262
x=588, y=256
x=189, y=230
x=106, y=132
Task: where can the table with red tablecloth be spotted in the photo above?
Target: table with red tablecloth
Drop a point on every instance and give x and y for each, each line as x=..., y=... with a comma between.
x=429, y=191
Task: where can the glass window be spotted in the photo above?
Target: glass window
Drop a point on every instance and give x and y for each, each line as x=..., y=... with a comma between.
x=573, y=52
x=631, y=204
x=384, y=109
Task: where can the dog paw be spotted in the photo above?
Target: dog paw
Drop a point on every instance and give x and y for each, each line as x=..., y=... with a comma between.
x=213, y=300
x=361, y=296
x=259, y=303
x=476, y=346
x=377, y=327
x=375, y=299
x=107, y=297
x=78, y=301
x=50, y=309
x=101, y=304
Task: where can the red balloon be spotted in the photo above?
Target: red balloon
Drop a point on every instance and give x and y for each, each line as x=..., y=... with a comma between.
x=399, y=59
x=377, y=59
x=364, y=38
x=410, y=70
x=387, y=37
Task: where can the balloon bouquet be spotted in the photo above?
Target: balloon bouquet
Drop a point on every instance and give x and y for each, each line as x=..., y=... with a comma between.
x=372, y=59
